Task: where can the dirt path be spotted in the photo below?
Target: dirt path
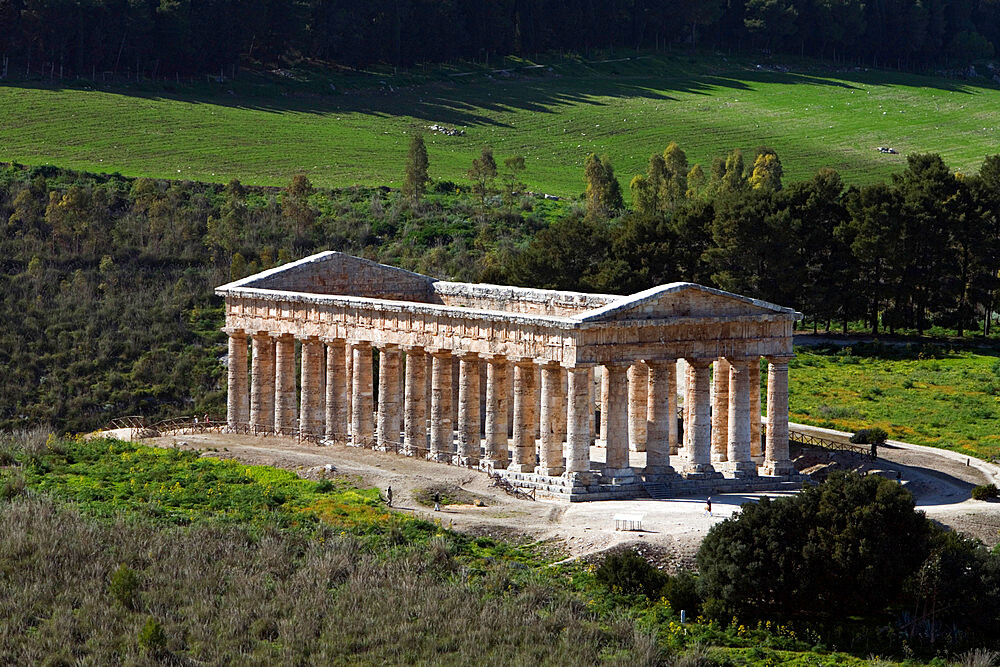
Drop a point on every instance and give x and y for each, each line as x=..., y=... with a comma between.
x=672, y=530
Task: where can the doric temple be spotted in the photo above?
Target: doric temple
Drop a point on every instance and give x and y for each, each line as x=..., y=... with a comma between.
x=575, y=394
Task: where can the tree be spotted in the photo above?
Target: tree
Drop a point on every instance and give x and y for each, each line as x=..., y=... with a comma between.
x=603, y=193
x=513, y=167
x=295, y=208
x=843, y=548
x=483, y=173
x=416, y=179
x=767, y=170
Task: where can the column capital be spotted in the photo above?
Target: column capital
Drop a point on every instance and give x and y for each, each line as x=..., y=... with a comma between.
x=576, y=366
x=700, y=362
x=385, y=346
x=439, y=351
x=779, y=359
x=412, y=348
x=260, y=334
x=277, y=335
x=308, y=339
x=659, y=363
x=333, y=341
x=523, y=361
x=548, y=363
x=233, y=331
x=360, y=344
x=465, y=355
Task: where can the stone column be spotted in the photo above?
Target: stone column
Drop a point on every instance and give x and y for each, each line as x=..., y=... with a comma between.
x=262, y=384
x=468, y=410
x=756, y=450
x=311, y=404
x=442, y=445
x=387, y=427
x=415, y=403
x=638, y=400
x=776, y=459
x=237, y=406
x=550, y=451
x=617, y=464
x=349, y=361
x=579, y=425
x=525, y=417
x=336, y=391
x=496, y=412
x=720, y=411
x=604, y=405
x=671, y=370
x=662, y=418
x=285, y=404
x=699, y=463
x=362, y=407
x=738, y=446
x=688, y=405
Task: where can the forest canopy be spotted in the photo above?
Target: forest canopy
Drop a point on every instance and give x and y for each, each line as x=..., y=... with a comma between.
x=164, y=37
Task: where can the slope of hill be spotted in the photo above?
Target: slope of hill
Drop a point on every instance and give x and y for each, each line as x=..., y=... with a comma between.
x=262, y=131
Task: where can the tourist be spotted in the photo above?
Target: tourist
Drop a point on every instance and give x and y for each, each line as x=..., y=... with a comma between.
x=708, y=506
x=873, y=452
x=437, y=501
x=388, y=494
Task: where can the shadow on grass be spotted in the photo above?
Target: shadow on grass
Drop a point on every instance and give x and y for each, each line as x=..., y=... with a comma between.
x=470, y=100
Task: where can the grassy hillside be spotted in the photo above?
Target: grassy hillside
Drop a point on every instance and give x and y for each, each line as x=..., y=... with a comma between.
x=924, y=394
x=355, y=130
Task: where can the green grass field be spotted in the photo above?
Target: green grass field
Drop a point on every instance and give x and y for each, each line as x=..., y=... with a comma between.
x=263, y=131
x=920, y=394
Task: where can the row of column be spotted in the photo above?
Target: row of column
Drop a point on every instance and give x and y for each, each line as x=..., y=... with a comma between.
x=638, y=407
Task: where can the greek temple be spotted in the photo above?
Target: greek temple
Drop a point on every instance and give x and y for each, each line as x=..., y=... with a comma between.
x=571, y=393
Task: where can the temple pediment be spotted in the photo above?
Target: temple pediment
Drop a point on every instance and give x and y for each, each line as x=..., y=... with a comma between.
x=682, y=300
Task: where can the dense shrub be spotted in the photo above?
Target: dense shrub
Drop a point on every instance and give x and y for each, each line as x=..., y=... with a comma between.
x=681, y=592
x=124, y=587
x=870, y=436
x=985, y=492
x=628, y=572
x=842, y=548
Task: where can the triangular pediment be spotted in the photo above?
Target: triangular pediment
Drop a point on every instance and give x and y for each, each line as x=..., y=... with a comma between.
x=682, y=300
x=336, y=273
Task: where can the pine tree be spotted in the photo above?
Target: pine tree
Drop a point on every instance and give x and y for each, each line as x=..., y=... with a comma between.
x=416, y=179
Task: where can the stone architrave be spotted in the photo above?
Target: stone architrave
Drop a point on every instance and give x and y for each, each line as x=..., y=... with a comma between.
x=262, y=384
x=616, y=468
x=579, y=425
x=550, y=450
x=468, y=410
x=415, y=403
x=756, y=449
x=387, y=426
x=362, y=405
x=776, y=459
x=699, y=463
x=285, y=403
x=720, y=411
x=525, y=417
x=442, y=443
x=662, y=418
x=738, y=447
x=638, y=406
x=237, y=405
x=496, y=413
x=311, y=404
x=337, y=413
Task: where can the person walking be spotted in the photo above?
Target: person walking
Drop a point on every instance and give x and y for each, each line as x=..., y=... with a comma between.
x=437, y=501
x=708, y=506
x=873, y=452
x=388, y=494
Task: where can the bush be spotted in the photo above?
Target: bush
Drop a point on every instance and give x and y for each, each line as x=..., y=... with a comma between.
x=681, y=591
x=985, y=492
x=324, y=486
x=124, y=587
x=628, y=572
x=842, y=548
x=11, y=485
x=868, y=436
x=152, y=638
